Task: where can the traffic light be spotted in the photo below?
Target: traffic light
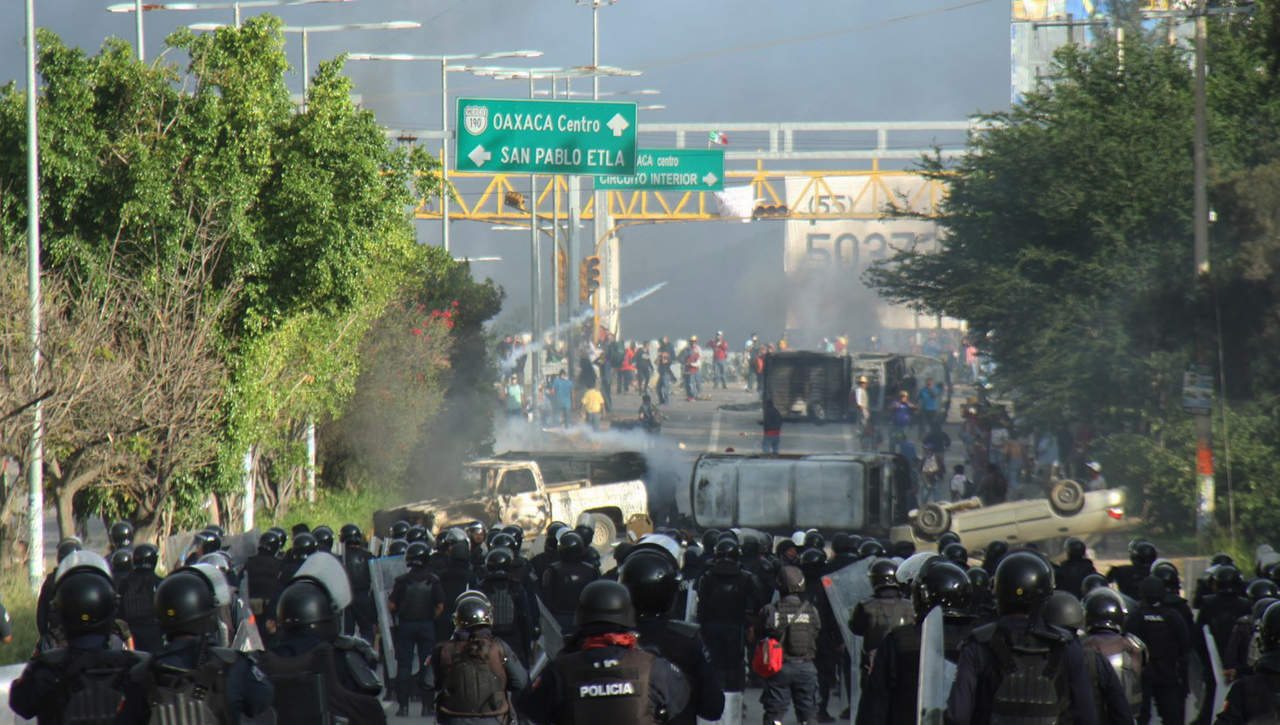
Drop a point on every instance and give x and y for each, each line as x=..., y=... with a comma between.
x=588, y=277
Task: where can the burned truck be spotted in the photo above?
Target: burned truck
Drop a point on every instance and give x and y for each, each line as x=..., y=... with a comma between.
x=806, y=385
x=532, y=489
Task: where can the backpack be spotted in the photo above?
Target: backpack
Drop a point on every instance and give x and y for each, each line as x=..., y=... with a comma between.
x=93, y=691
x=504, y=607
x=179, y=696
x=475, y=679
x=799, y=633
x=1032, y=689
x=767, y=660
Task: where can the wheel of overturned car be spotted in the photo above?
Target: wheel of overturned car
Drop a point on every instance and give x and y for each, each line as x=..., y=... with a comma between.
x=605, y=530
x=1067, y=498
x=932, y=521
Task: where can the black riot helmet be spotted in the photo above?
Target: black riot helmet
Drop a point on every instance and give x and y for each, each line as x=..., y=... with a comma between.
x=205, y=542
x=1104, y=611
x=1227, y=578
x=67, y=547
x=946, y=538
x=499, y=558
x=750, y=547
x=956, y=554
x=304, y=545
x=1075, y=549
x=813, y=539
x=145, y=557
x=356, y=541
x=1259, y=608
x=399, y=547
x=347, y=531
x=980, y=578
x=883, y=573
x=553, y=535
x=301, y=528
x=185, y=603
x=1143, y=554
x=870, y=548
x=790, y=580
x=1024, y=580
x=1222, y=558
x=415, y=554
x=470, y=611
x=1261, y=589
x=709, y=538
x=1168, y=573
x=652, y=580
x=622, y=551
x=459, y=551
x=941, y=584
x=85, y=600
x=269, y=543
x=121, y=561
x=503, y=540
x=571, y=546
x=517, y=533
x=121, y=534
x=305, y=606
x=324, y=538
x=842, y=543
x=1269, y=629
x=281, y=534
x=996, y=550
x=219, y=537
x=400, y=529
x=605, y=602
x=1062, y=609
x=903, y=549
x=416, y=533
x=588, y=533
x=812, y=561
x=1091, y=582
x=727, y=550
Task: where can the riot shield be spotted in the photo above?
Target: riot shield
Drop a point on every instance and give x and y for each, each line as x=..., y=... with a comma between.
x=910, y=568
x=247, y=638
x=691, y=603
x=732, y=709
x=1219, y=679
x=383, y=573
x=936, y=672
x=326, y=570
x=549, y=644
x=845, y=588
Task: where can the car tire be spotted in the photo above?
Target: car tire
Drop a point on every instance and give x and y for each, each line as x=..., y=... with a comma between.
x=932, y=521
x=605, y=530
x=1067, y=498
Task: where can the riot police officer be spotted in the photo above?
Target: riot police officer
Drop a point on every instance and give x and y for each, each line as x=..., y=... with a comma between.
x=457, y=576
x=563, y=581
x=1128, y=578
x=1077, y=566
x=513, y=609
x=190, y=673
x=263, y=572
x=324, y=538
x=121, y=563
x=475, y=670
x=956, y=554
x=795, y=623
x=993, y=554
x=137, y=599
x=602, y=675
x=46, y=619
x=1125, y=654
x=1220, y=610
x=870, y=549
x=727, y=603
x=884, y=612
x=550, y=553
x=304, y=545
x=895, y=670
x=1252, y=699
x=1019, y=668
x=760, y=566
x=362, y=615
x=309, y=614
x=652, y=581
x=88, y=679
x=476, y=541
x=121, y=535
x=813, y=563
x=417, y=599
x=982, y=601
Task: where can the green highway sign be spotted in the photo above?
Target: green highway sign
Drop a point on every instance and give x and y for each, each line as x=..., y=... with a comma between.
x=672, y=169
x=588, y=138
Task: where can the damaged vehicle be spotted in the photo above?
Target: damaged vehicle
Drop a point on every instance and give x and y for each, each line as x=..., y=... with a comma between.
x=806, y=385
x=532, y=489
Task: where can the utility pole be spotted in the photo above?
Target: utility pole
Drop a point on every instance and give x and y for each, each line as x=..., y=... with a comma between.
x=1205, y=484
x=35, y=462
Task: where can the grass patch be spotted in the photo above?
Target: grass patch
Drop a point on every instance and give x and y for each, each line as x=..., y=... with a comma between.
x=21, y=604
x=335, y=508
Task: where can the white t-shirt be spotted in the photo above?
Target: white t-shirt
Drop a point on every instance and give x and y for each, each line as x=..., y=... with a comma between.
x=957, y=485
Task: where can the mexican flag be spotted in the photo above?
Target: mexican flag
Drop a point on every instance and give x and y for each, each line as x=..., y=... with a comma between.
x=717, y=138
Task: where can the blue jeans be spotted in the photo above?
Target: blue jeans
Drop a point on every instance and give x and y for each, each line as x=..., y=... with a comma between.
x=770, y=444
x=411, y=636
x=664, y=389
x=690, y=385
x=593, y=420
x=719, y=372
x=796, y=684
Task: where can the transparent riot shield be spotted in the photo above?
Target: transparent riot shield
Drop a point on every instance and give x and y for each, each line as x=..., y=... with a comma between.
x=549, y=644
x=691, y=603
x=936, y=672
x=845, y=588
x=1215, y=665
x=383, y=573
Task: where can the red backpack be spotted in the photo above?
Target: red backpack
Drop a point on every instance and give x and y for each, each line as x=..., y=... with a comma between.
x=767, y=660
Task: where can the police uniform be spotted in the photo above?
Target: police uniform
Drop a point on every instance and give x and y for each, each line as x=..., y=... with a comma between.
x=263, y=572
x=562, y=583
x=1252, y=699
x=1164, y=679
x=138, y=609
x=88, y=680
x=361, y=616
x=415, y=597
x=225, y=684
x=346, y=668
x=875, y=618
x=474, y=671
x=796, y=624
x=456, y=578
x=892, y=684
x=727, y=596
x=681, y=644
x=1127, y=578
x=603, y=677
x=1115, y=663
x=514, y=612
x=1071, y=573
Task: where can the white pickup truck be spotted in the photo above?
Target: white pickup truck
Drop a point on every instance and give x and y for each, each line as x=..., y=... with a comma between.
x=532, y=489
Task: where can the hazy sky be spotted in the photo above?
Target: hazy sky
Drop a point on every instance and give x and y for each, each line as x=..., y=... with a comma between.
x=713, y=60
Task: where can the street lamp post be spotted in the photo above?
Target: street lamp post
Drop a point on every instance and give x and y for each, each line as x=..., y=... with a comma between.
x=444, y=61
x=35, y=459
x=138, y=9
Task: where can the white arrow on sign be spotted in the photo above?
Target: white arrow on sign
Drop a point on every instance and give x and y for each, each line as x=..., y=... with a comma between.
x=618, y=124
x=710, y=179
x=478, y=156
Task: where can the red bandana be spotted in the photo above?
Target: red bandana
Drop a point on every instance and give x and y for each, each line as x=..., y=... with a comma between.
x=610, y=639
